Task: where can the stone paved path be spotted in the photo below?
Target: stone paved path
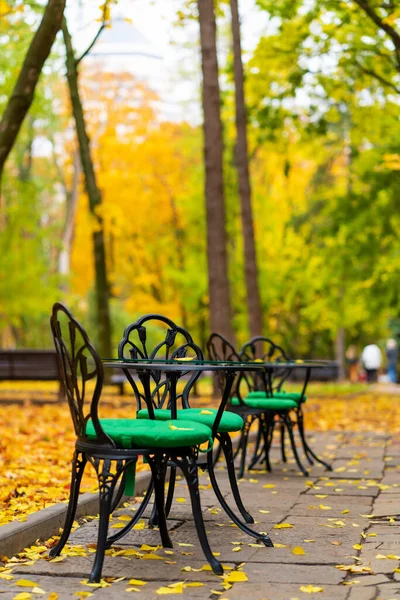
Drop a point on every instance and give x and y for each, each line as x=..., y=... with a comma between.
x=331, y=524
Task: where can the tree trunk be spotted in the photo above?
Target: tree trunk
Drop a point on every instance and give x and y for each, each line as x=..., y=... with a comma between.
x=71, y=205
x=24, y=89
x=94, y=195
x=218, y=282
x=242, y=165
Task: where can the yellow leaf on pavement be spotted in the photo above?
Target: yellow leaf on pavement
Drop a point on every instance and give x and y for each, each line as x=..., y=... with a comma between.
x=298, y=551
x=137, y=582
x=311, y=589
x=235, y=577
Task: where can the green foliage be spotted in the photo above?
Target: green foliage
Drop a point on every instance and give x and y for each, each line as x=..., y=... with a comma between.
x=323, y=106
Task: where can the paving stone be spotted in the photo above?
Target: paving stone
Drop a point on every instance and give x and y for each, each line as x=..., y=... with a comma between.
x=369, y=580
x=315, y=553
x=365, y=468
x=293, y=573
x=366, y=593
x=149, y=591
x=310, y=506
x=389, y=591
x=342, y=487
x=361, y=452
x=88, y=534
x=65, y=587
x=273, y=591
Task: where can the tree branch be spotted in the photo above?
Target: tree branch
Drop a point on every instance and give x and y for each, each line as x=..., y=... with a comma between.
x=392, y=33
x=378, y=77
x=24, y=89
x=96, y=37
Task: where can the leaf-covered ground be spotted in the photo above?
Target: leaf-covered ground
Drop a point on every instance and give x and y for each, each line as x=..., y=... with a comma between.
x=36, y=442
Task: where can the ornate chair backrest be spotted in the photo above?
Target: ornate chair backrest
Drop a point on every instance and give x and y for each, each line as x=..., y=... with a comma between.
x=154, y=336
x=79, y=363
x=219, y=348
x=261, y=348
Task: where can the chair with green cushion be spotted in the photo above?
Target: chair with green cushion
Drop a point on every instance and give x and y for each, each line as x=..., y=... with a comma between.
x=157, y=337
x=219, y=348
x=113, y=446
x=254, y=401
x=263, y=348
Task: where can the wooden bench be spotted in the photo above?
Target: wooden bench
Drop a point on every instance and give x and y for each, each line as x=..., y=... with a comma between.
x=39, y=365
x=30, y=365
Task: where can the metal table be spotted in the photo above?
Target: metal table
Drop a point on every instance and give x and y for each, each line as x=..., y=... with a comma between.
x=151, y=369
x=268, y=420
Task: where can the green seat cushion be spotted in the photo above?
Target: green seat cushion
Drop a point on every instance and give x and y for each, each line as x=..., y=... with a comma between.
x=133, y=433
x=229, y=421
x=281, y=395
x=276, y=404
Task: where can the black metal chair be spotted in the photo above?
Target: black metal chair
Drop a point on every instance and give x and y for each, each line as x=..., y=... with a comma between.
x=113, y=446
x=263, y=348
x=244, y=400
x=135, y=344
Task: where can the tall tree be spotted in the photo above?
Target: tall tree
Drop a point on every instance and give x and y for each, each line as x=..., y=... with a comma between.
x=24, y=89
x=242, y=165
x=92, y=189
x=218, y=280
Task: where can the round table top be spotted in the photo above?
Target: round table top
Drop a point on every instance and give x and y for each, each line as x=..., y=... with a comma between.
x=180, y=364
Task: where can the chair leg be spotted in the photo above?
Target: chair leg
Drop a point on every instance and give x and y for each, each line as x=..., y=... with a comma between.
x=244, y=441
x=158, y=467
x=190, y=473
x=78, y=466
x=138, y=514
x=171, y=489
x=107, y=482
x=308, y=451
x=226, y=445
x=153, y=519
x=268, y=430
x=283, y=452
x=220, y=497
x=289, y=426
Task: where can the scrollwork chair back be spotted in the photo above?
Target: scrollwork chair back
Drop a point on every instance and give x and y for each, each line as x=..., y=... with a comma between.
x=79, y=364
x=157, y=337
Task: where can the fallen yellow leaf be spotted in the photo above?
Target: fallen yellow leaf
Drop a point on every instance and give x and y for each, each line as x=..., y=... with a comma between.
x=25, y=583
x=311, y=589
x=283, y=526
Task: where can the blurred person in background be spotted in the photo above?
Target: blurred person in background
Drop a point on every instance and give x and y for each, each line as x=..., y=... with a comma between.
x=371, y=359
x=391, y=357
x=352, y=363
